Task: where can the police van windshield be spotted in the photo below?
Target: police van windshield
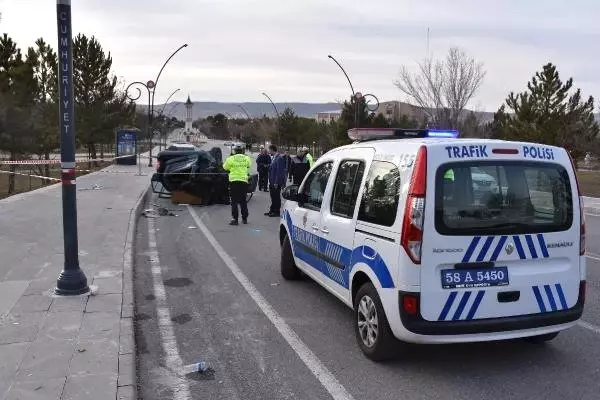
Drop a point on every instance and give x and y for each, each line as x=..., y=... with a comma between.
x=478, y=198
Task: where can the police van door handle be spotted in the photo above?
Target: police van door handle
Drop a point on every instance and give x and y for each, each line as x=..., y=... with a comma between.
x=324, y=230
x=315, y=227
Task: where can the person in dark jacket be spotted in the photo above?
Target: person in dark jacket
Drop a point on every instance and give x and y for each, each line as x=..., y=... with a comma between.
x=288, y=164
x=300, y=167
x=262, y=163
x=277, y=180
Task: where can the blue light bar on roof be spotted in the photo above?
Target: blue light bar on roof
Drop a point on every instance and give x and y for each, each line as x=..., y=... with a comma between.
x=441, y=134
x=396, y=133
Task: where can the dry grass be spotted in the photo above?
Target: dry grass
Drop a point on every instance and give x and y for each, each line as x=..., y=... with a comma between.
x=28, y=183
x=590, y=183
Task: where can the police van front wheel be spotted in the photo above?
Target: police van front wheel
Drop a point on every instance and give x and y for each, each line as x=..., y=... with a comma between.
x=373, y=333
x=289, y=270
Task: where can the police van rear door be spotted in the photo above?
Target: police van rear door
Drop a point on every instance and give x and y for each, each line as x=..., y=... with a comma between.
x=501, y=231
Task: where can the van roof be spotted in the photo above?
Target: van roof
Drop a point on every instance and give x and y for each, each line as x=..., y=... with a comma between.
x=430, y=142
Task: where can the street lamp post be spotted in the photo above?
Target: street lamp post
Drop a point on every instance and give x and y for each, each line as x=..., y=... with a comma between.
x=278, y=118
x=249, y=121
x=134, y=98
x=161, y=114
x=357, y=97
x=71, y=280
x=150, y=87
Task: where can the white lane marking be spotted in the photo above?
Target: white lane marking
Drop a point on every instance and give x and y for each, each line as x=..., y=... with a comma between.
x=589, y=326
x=179, y=385
x=312, y=362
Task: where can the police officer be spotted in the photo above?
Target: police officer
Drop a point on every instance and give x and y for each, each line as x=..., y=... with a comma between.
x=238, y=165
x=308, y=156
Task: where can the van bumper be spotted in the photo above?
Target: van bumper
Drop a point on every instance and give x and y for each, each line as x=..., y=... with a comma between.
x=416, y=324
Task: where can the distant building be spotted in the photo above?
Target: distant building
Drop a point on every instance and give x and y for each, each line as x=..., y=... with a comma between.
x=328, y=116
x=188, y=116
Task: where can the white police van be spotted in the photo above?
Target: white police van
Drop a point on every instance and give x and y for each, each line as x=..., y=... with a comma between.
x=435, y=239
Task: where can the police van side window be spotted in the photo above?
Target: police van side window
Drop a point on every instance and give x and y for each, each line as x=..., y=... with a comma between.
x=347, y=185
x=380, y=198
x=315, y=185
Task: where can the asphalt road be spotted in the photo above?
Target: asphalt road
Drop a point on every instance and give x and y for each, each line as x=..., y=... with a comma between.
x=265, y=338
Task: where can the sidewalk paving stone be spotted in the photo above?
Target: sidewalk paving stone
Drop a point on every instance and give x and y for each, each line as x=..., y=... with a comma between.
x=37, y=390
x=76, y=347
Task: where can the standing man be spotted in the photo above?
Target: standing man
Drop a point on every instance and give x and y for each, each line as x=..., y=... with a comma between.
x=262, y=163
x=308, y=156
x=300, y=167
x=288, y=164
x=277, y=180
x=238, y=165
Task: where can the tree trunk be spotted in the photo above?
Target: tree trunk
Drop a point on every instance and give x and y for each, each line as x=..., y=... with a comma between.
x=11, y=177
x=47, y=167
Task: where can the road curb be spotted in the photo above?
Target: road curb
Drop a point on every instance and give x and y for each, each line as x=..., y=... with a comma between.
x=127, y=373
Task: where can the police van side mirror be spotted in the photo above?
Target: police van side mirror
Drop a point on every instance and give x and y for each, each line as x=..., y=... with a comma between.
x=290, y=193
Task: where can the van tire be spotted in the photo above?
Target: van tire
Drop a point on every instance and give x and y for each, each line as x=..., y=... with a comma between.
x=384, y=343
x=289, y=270
x=539, y=339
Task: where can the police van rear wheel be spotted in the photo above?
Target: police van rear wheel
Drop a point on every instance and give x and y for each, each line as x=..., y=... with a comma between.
x=373, y=333
x=289, y=270
x=539, y=339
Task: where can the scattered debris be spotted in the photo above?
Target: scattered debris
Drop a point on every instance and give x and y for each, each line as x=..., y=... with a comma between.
x=81, y=350
x=192, y=227
x=160, y=211
x=275, y=284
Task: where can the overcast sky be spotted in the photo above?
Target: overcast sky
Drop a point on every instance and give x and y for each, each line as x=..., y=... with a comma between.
x=240, y=48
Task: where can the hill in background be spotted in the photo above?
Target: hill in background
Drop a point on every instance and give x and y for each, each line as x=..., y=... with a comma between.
x=203, y=109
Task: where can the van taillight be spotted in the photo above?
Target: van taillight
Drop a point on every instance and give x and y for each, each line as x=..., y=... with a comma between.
x=414, y=211
x=581, y=210
x=157, y=165
x=581, y=228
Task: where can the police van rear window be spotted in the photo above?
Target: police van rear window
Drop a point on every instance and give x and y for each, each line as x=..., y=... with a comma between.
x=479, y=198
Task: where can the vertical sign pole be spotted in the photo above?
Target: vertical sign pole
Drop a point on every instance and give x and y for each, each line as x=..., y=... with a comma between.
x=72, y=280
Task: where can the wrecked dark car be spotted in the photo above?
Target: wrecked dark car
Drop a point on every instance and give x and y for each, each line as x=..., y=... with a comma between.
x=197, y=172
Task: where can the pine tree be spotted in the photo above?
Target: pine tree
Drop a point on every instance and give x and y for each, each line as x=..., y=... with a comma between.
x=94, y=92
x=45, y=122
x=17, y=92
x=547, y=113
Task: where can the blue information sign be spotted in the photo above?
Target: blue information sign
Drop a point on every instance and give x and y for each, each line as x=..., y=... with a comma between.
x=126, y=146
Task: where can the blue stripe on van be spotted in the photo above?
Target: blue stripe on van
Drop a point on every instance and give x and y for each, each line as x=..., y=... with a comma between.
x=475, y=305
x=471, y=249
x=485, y=248
x=519, y=247
x=538, y=297
x=561, y=296
x=550, y=297
x=531, y=246
x=543, y=245
x=447, y=306
x=461, y=306
x=498, y=248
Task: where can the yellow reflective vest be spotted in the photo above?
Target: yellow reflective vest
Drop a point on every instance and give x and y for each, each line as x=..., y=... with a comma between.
x=237, y=165
x=310, y=159
x=449, y=175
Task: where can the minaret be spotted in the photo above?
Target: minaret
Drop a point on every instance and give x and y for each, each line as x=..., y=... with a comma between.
x=188, y=115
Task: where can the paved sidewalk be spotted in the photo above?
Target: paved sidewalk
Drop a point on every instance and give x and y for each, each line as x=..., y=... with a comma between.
x=69, y=347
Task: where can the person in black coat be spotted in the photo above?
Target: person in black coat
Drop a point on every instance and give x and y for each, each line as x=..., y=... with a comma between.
x=300, y=168
x=262, y=163
x=288, y=164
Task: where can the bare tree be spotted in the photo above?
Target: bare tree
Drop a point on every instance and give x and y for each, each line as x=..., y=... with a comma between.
x=443, y=88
